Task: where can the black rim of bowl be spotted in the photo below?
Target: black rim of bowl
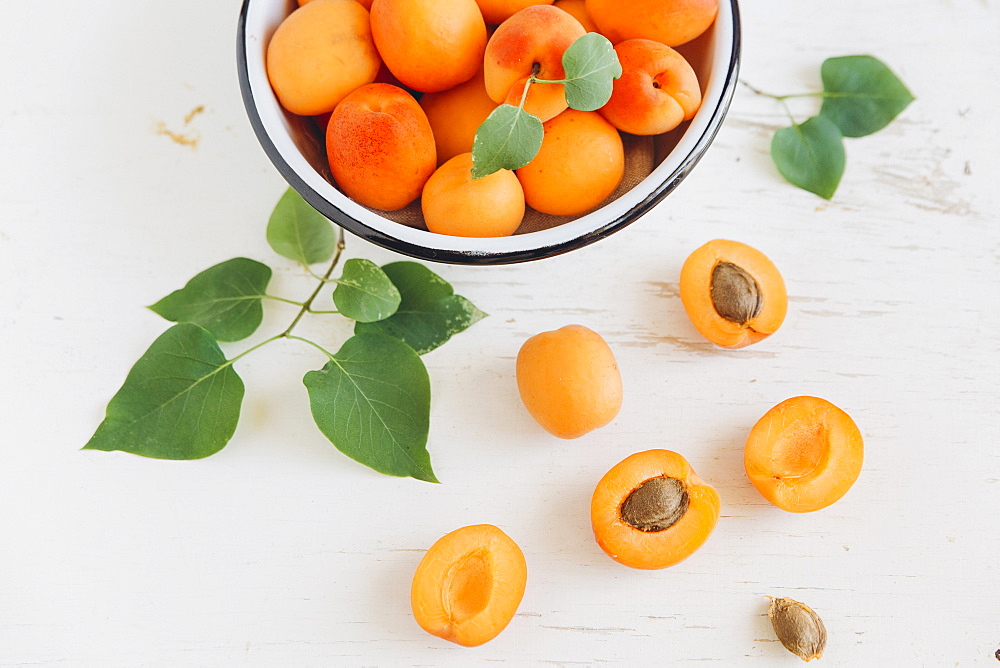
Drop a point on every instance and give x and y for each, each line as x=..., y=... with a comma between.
x=487, y=258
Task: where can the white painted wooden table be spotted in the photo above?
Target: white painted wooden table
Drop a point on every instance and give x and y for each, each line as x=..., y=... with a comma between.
x=279, y=551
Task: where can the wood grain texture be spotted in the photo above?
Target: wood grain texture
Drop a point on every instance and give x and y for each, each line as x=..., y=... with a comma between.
x=279, y=551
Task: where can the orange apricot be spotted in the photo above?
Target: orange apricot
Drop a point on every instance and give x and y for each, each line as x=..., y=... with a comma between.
x=656, y=92
x=497, y=11
x=580, y=163
x=455, y=203
x=569, y=380
x=456, y=114
x=367, y=4
x=652, y=511
x=468, y=585
x=534, y=39
x=319, y=53
x=804, y=454
x=578, y=10
x=430, y=45
x=380, y=146
x=733, y=294
x=670, y=22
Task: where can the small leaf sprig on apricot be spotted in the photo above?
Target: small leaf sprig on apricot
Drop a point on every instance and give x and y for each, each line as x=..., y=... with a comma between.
x=733, y=294
x=804, y=454
x=569, y=380
x=651, y=510
x=468, y=585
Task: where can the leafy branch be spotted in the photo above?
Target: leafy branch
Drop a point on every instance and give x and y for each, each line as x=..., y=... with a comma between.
x=371, y=399
x=861, y=95
x=511, y=137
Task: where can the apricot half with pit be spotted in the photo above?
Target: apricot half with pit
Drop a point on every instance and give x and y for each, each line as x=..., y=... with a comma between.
x=733, y=293
x=652, y=511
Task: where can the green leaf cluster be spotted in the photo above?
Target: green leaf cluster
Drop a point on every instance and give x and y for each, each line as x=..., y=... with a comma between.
x=510, y=137
x=861, y=95
x=371, y=399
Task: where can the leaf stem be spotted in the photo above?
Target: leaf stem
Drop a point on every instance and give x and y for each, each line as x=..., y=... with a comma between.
x=779, y=98
x=307, y=304
x=282, y=299
x=253, y=348
x=311, y=343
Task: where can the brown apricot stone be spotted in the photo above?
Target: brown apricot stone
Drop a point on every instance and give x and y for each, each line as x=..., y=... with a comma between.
x=799, y=629
x=652, y=511
x=733, y=293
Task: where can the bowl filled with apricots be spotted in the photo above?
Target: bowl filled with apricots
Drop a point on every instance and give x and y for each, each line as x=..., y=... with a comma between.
x=486, y=131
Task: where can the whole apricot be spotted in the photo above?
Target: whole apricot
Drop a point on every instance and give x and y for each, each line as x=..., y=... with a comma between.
x=804, y=454
x=578, y=10
x=469, y=585
x=656, y=92
x=497, y=11
x=532, y=40
x=319, y=53
x=454, y=203
x=430, y=45
x=569, y=381
x=651, y=510
x=380, y=146
x=580, y=163
x=733, y=294
x=670, y=22
x=456, y=114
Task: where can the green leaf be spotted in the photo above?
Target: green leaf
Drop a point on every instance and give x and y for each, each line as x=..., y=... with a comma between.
x=810, y=155
x=509, y=138
x=429, y=313
x=299, y=232
x=591, y=66
x=181, y=400
x=364, y=293
x=224, y=299
x=373, y=401
x=862, y=95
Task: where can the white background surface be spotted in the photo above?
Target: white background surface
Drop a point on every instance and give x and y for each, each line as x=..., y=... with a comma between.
x=279, y=551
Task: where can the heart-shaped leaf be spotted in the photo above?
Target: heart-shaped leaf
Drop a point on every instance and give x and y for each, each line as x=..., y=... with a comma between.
x=509, y=138
x=372, y=400
x=591, y=66
x=364, y=292
x=810, y=155
x=299, y=232
x=861, y=94
x=224, y=299
x=429, y=313
x=181, y=400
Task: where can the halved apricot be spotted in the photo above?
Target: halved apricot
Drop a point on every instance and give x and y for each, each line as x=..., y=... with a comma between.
x=469, y=584
x=652, y=510
x=733, y=293
x=804, y=454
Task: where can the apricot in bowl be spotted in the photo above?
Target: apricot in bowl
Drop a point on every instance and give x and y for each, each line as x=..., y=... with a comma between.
x=296, y=146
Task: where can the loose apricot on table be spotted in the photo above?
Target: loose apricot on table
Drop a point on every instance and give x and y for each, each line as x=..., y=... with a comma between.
x=430, y=45
x=733, y=293
x=804, y=454
x=569, y=381
x=652, y=511
x=581, y=162
x=380, y=146
x=319, y=53
x=670, y=22
x=469, y=584
x=454, y=203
